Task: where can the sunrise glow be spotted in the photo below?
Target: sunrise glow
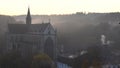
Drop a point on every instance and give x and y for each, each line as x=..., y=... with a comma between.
x=18, y=7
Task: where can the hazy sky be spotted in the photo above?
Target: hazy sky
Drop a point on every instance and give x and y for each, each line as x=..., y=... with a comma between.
x=18, y=7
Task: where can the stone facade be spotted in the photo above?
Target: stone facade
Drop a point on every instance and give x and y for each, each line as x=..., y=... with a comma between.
x=32, y=38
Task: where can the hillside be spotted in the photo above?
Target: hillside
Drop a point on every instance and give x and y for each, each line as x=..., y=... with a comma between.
x=79, y=31
x=75, y=31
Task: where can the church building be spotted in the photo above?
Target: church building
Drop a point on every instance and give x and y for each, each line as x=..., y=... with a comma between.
x=32, y=38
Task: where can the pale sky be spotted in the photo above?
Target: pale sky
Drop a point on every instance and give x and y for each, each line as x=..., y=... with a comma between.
x=18, y=7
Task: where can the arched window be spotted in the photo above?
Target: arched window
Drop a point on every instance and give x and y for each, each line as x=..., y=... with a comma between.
x=49, y=47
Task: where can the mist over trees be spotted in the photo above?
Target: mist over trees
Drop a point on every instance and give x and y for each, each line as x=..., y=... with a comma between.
x=75, y=31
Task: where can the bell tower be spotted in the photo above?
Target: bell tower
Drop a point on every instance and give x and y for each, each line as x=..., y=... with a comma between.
x=28, y=17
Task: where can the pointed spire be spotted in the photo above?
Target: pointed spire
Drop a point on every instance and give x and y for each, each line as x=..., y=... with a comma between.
x=28, y=11
x=28, y=17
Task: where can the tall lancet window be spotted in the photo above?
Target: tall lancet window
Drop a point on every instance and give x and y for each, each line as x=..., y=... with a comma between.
x=49, y=47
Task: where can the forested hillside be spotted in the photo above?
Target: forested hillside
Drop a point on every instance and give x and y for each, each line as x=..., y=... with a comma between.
x=80, y=30
x=75, y=31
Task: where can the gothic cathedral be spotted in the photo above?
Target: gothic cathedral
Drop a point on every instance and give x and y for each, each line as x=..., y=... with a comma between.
x=32, y=38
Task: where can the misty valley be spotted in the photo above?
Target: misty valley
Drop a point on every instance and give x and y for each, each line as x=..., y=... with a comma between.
x=76, y=40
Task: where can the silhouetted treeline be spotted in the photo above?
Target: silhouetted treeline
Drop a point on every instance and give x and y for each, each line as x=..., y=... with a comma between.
x=14, y=59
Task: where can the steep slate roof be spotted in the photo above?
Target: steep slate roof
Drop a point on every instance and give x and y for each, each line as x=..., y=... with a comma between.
x=38, y=27
x=24, y=28
x=17, y=28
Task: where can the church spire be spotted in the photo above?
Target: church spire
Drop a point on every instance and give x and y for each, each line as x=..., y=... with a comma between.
x=28, y=17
